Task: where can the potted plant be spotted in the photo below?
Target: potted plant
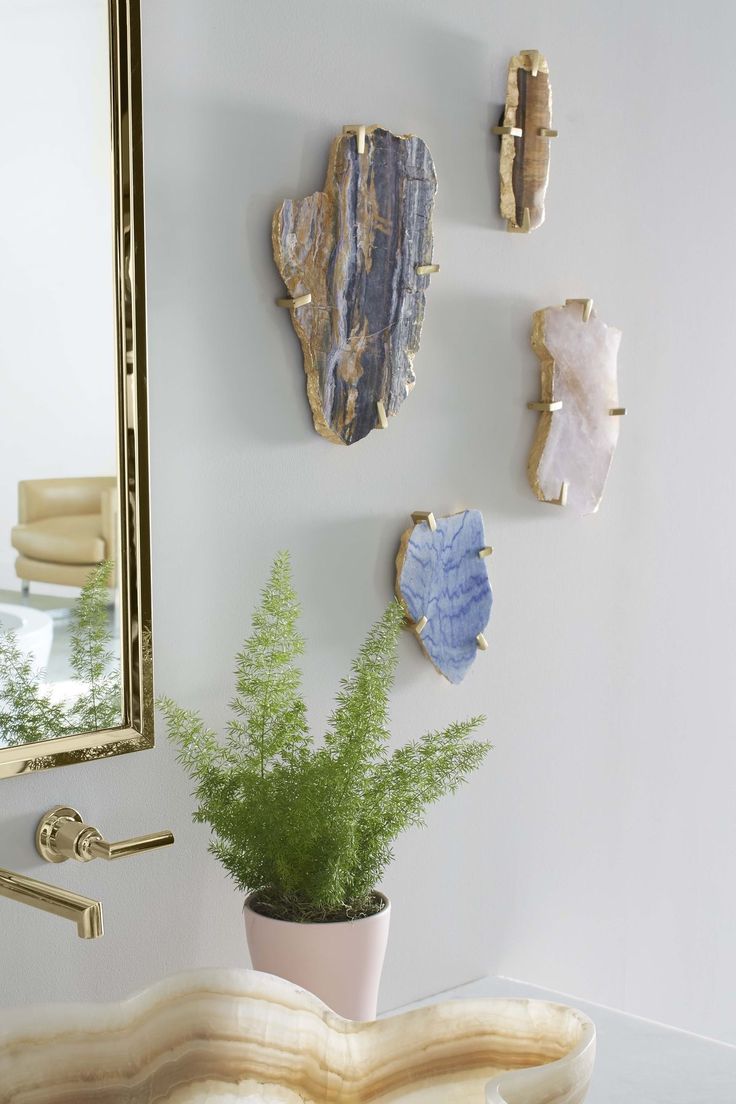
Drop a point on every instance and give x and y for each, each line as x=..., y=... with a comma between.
x=306, y=829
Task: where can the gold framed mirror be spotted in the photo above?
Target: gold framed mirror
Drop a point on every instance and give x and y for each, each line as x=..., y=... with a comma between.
x=76, y=596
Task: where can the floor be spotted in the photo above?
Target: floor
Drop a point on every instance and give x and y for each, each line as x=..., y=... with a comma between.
x=637, y=1061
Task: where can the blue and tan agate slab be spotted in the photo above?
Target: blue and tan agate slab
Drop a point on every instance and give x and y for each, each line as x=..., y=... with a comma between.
x=354, y=247
x=440, y=575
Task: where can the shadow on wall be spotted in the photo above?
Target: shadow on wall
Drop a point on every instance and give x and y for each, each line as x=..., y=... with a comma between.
x=226, y=198
x=446, y=68
x=234, y=163
x=504, y=376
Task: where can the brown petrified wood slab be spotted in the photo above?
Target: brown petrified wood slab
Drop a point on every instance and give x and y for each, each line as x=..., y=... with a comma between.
x=355, y=259
x=232, y=1036
x=526, y=132
x=579, y=412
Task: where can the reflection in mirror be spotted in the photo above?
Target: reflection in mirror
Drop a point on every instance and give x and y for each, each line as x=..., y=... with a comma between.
x=38, y=703
x=58, y=477
x=74, y=585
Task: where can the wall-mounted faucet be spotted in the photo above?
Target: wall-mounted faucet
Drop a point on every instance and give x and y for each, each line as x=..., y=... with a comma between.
x=63, y=834
x=86, y=913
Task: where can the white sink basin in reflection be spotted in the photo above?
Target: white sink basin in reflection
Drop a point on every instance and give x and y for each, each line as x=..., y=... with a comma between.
x=34, y=631
x=241, y=1037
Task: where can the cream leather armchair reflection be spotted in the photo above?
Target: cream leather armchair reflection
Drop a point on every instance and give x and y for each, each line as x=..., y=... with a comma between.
x=65, y=528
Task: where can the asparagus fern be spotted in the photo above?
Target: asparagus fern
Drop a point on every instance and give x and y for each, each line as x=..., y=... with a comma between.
x=311, y=826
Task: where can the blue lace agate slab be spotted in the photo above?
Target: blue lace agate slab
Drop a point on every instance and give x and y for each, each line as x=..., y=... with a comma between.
x=441, y=576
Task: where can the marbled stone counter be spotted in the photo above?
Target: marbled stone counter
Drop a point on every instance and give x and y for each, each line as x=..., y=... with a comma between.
x=236, y=1036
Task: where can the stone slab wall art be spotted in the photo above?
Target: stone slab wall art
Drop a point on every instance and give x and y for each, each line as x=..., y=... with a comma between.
x=356, y=259
x=442, y=583
x=525, y=131
x=579, y=412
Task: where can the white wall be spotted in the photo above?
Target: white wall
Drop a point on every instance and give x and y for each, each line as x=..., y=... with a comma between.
x=593, y=853
x=57, y=336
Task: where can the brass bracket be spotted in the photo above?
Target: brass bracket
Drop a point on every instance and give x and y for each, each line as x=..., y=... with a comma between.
x=535, y=60
x=382, y=419
x=511, y=131
x=358, y=129
x=420, y=625
x=587, y=306
x=545, y=407
x=424, y=515
x=298, y=301
x=562, y=500
x=426, y=269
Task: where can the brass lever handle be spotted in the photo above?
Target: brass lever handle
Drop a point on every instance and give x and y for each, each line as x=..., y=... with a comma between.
x=100, y=849
x=63, y=834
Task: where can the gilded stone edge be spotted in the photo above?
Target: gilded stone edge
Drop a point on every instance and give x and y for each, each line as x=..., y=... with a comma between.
x=546, y=394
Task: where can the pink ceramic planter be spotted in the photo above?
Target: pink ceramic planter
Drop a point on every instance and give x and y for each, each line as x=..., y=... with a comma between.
x=340, y=963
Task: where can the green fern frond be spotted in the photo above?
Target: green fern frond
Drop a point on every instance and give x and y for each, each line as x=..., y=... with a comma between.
x=310, y=826
x=26, y=714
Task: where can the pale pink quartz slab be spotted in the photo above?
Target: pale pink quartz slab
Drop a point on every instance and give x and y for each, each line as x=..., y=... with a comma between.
x=574, y=446
x=241, y=1037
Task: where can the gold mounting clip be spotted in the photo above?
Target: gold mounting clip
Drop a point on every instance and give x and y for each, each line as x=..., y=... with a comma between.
x=426, y=269
x=481, y=641
x=424, y=515
x=487, y=551
x=358, y=129
x=617, y=411
x=382, y=419
x=562, y=500
x=545, y=407
x=510, y=131
x=587, y=306
x=298, y=301
x=535, y=60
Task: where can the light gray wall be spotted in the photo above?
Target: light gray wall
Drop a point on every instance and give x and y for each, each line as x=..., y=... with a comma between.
x=594, y=852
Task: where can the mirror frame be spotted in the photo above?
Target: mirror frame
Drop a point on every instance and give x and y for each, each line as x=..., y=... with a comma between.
x=136, y=654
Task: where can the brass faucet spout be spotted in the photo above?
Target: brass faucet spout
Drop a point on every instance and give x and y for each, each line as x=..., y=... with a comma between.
x=86, y=913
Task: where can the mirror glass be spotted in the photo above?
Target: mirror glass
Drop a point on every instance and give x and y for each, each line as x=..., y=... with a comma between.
x=59, y=498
